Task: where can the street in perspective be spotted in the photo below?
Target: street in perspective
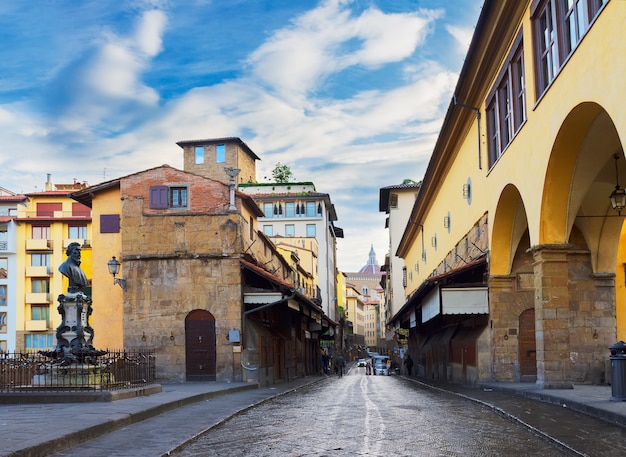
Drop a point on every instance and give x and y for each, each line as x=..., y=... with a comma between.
x=361, y=415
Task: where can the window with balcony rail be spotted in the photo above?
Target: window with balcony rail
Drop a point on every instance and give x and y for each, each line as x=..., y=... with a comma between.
x=77, y=232
x=40, y=260
x=4, y=267
x=310, y=209
x=4, y=237
x=40, y=313
x=3, y=295
x=40, y=285
x=290, y=209
x=40, y=232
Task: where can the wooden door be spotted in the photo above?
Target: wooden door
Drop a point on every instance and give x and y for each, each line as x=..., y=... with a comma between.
x=527, y=346
x=200, y=346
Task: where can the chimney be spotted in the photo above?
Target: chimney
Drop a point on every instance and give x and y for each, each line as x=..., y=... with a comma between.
x=48, y=182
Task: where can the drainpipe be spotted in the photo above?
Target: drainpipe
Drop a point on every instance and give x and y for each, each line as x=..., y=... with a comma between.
x=477, y=111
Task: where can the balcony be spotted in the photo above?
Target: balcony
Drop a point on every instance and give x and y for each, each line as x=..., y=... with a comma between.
x=4, y=245
x=37, y=298
x=38, y=245
x=59, y=215
x=36, y=326
x=38, y=272
x=81, y=241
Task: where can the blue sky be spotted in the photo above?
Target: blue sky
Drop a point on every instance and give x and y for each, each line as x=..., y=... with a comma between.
x=349, y=93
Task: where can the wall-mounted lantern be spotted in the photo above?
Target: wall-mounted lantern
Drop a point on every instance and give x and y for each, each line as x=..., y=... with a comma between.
x=114, y=269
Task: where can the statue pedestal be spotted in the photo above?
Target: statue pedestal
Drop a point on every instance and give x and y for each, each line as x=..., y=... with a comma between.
x=75, y=376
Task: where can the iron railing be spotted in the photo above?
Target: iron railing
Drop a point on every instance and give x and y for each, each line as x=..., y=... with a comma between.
x=116, y=370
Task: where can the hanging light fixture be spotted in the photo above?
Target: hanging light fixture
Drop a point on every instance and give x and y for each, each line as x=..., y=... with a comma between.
x=618, y=196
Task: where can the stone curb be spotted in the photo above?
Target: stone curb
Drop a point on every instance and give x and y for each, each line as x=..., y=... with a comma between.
x=241, y=411
x=503, y=413
x=72, y=439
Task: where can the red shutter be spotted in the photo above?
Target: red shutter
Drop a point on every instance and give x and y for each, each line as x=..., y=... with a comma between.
x=48, y=209
x=80, y=210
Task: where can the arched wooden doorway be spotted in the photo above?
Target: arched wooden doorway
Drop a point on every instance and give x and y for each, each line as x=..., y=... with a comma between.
x=527, y=346
x=200, y=346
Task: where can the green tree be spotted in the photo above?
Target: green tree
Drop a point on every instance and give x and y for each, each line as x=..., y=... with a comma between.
x=282, y=173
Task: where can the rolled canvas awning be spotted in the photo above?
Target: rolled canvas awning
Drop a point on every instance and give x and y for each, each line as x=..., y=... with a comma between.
x=455, y=300
x=465, y=300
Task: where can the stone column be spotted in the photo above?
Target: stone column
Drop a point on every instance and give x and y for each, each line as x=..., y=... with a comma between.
x=503, y=317
x=552, y=316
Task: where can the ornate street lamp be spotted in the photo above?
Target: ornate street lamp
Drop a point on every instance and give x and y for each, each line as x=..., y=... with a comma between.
x=618, y=196
x=114, y=269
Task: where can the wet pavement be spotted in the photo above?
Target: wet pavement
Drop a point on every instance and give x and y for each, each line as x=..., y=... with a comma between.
x=164, y=421
x=373, y=416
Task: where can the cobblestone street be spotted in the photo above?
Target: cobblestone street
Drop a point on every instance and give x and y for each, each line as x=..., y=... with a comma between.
x=370, y=416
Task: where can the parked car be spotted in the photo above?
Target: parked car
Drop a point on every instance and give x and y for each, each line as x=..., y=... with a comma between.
x=360, y=363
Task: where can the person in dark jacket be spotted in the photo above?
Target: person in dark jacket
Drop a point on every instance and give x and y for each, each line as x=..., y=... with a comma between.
x=408, y=362
x=340, y=363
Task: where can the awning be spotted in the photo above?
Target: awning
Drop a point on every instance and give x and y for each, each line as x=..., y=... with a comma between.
x=455, y=300
x=465, y=300
x=421, y=297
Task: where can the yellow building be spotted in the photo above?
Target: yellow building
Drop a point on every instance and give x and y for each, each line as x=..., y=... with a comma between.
x=305, y=262
x=513, y=246
x=47, y=222
x=355, y=321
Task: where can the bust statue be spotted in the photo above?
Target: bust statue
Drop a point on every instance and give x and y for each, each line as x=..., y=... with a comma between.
x=71, y=268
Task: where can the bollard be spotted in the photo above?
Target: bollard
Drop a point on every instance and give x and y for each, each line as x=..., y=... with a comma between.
x=618, y=371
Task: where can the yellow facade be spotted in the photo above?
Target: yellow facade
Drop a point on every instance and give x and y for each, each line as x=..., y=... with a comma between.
x=108, y=316
x=306, y=249
x=46, y=224
x=539, y=201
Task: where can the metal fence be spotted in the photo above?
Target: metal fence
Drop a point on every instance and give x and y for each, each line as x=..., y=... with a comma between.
x=116, y=370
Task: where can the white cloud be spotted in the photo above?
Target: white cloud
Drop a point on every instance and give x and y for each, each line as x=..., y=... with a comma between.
x=103, y=86
x=390, y=37
x=329, y=39
x=463, y=37
x=349, y=147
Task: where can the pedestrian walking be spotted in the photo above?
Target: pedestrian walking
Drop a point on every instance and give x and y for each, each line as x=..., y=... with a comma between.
x=408, y=362
x=325, y=361
x=340, y=365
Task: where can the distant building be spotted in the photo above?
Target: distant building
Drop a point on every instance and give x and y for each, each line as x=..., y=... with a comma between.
x=298, y=210
x=46, y=223
x=367, y=282
x=397, y=202
x=9, y=278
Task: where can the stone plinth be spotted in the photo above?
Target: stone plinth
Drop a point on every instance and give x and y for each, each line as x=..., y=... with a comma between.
x=75, y=376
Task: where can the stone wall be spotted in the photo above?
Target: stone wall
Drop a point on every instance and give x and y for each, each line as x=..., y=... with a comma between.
x=165, y=291
x=176, y=261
